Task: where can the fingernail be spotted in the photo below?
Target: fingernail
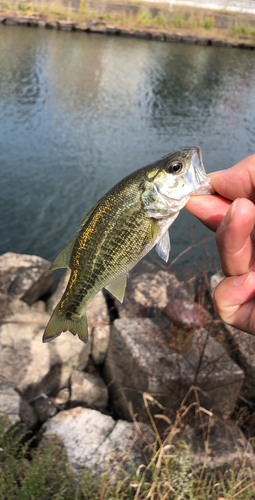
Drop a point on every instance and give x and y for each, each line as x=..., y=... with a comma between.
x=229, y=215
x=242, y=279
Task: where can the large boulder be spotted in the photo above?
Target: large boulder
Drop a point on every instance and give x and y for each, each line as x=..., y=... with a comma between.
x=32, y=367
x=25, y=277
x=218, y=444
x=96, y=440
x=142, y=359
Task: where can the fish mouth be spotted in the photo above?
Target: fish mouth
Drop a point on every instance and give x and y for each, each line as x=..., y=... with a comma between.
x=197, y=174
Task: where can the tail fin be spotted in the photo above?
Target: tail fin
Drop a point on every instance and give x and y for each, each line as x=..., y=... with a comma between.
x=59, y=323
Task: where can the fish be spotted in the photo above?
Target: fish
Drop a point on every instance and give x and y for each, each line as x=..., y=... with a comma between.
x=120, y=229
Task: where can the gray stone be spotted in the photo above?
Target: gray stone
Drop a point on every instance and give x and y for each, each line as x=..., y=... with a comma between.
x=27, y=415
x=112, y=30
x=202, y=41
x=173, y=37
x=126, y=32
x=141, y=34
x=9, y=306
x=23, y=21
x=99, y=28
x=100, y=342
x=62, y=397
x=157, y=35
x=89, y=389
x=2, y=19
x=225, y=447
x=12, y=20
x=98, y=441
x=58, y=292
x=148, y=293
x=44, y=408
x=142, y=358
x=39, y=305
x=25, y=277
x=65, y=26
x=41, y=23
x=82, y=26
x=53, y=25
x=189, y=39
x=41, y=367
x=10, y=402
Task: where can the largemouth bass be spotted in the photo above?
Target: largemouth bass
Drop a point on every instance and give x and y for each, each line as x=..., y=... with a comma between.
x=121, y=228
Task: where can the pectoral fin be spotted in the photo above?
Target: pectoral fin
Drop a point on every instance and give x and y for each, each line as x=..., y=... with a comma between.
x=63, y=259
x=163, y=247
x=154, y=230
x=117, y=288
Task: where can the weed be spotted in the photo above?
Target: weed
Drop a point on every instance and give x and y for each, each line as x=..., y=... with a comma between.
x=24, y=6
x=208, y=22
x=177, y=20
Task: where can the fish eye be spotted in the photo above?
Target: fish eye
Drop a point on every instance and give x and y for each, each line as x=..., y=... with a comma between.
x=175, y=167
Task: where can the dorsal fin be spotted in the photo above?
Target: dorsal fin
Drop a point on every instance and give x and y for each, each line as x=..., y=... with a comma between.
x=117, y=288
x=63, y=258
x=93, y=209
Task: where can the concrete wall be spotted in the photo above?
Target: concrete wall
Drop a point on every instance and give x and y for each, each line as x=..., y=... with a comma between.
x=228, y=5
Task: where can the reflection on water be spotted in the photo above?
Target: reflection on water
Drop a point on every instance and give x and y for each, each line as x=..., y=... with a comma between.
x=80, y=111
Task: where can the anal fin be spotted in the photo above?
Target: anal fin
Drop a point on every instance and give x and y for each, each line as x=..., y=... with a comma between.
x=118, y=287
x=163, y=247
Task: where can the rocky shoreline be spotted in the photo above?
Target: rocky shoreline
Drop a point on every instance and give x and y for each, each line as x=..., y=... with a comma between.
x=165, y=350
x=15, y=18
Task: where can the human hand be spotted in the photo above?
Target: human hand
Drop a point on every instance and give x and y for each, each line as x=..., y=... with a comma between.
x=233, y=222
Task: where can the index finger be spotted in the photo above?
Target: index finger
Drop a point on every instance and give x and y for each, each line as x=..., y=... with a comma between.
x=237, y=181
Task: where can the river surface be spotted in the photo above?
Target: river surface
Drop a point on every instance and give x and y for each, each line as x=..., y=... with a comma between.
x=81, y=111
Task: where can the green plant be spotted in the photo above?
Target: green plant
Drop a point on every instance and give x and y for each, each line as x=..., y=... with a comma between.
x=208, y=22
x=144, y=17
x=24, y=6
x=177, y=20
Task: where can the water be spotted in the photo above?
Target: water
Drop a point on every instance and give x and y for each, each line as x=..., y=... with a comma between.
x=80, y=111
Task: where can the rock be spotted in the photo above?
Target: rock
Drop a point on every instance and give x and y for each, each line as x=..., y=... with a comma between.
x=100, y=343
x=225, y=447
x=173, y=37
x=142, y=358
x=27, y=416
x=157, y=35
x=65, y=26
x=23, y=21
x=96, y=439
x=57, y=294
x=112, y=30
x=62, y=397
x=41, y=367
x=189, y=39
x=44, y=408
x=88, y=389
x=82, y=26
x=41, y=23
x=53, y=25
x=141, y=34
x=10, y=402
x=126, y=32
x=148, y=293
x=99, y=28
x=9, y=307
x=39, y=305
x=186, y=316
x=25, y=277
x=12, y=20
x=202, y=41
x=2, y=19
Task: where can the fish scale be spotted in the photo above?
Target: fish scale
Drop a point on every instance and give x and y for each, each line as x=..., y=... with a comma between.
x=122, y=227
